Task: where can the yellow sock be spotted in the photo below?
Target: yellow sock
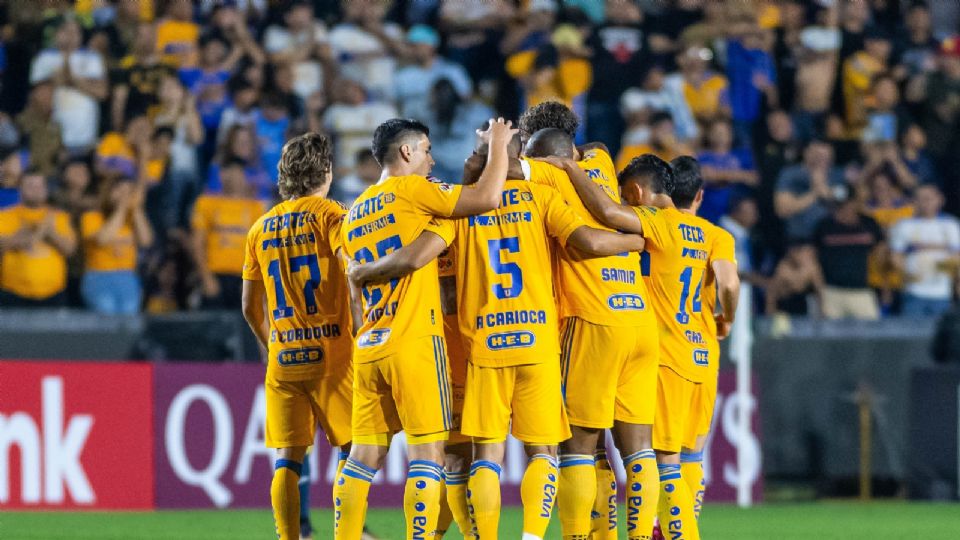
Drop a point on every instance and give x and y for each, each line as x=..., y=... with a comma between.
x=643, y=492
x=285, y=498
x=341, y=461
x=483, y=493
x=457, y=500
x=604, y=516
x=538, y=492
x=350, y=499
x=445, y=517
x=691, y=469
x=421, y=497
x=675, y=508
x=576, y=494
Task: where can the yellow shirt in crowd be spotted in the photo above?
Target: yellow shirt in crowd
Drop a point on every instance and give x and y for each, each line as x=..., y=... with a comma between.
x=225, y=222
x=120, y=254
x=39, y=272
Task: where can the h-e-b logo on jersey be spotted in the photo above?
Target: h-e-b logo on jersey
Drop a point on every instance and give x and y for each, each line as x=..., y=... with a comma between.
x=510, y=340
x=297, y=357
x=701, y=357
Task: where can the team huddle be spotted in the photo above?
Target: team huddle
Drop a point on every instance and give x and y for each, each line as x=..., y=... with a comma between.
x=546, y=297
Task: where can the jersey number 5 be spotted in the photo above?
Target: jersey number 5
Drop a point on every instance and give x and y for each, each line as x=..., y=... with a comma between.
x=495, y=248
x=309, y=287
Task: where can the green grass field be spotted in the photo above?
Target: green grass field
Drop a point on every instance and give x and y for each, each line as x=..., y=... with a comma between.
x=823, y=521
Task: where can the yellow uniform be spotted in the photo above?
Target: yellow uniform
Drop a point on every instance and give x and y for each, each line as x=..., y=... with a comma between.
x=177, y=42
x=41, y=271
x=723, y=249
x=456, y=352
x=679, y=250
x=401, y=373
x=508, y=317
x=293, y=250
x=607, y=325
x=120, y=254
x=225, y=221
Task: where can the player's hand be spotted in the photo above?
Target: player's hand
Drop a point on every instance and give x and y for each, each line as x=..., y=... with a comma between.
x=355, y=273
x=723, y=326
x=499, y=132
x=558, y=162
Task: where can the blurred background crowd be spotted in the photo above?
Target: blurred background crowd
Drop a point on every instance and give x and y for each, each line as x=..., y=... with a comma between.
x=139, y=139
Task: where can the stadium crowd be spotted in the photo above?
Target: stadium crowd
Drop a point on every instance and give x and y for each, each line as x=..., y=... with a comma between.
x=140, y=140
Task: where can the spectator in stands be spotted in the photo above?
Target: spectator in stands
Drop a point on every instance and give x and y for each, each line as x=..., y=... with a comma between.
x=207, y=82
x=177, y=35
x=242, y=109
x=136, y=89
x=472, y=30
x=913, y=143
x=804, y=191
x=179, y=113
x=939, y=98
x=886, y=116
x=367, y=46
x=240, y=144
x=887, y=205
x=220, y=226
x=75, y=193
x=11, y=172
x=858, y=73
x=416, y=81
x=80, y=78
x=663, y=142
x=796, y=278
x=915, y=48
x=116, y=155
x=926, y=248
x=352, y=119
x=742, y=217
x=884, y=155
x=35, y=240
x=366, y=173
x=453, y=122
x=111, y=237
x=619, y=62
x=706, y=92
x=302, y=43
x=271, y=127
x=844, y=241
x=815, y=78
x=752, y=76
x=38, y=125
x=638, y=104
x=726, y=173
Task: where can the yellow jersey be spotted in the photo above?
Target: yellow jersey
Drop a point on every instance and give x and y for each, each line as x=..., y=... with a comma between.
x=177, y=42
x=120, y=254
x=225, y=222
x=41, y=271
x=723, y=250
x=507, y=312
x=384, y=218
x=675, y=263
x=602, y=290
x=293, y=250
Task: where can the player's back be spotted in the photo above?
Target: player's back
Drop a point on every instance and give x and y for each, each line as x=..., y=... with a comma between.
x=292, y=249
x=602, y=290
x=674, y=265
x=505, y=295
x=383, y=219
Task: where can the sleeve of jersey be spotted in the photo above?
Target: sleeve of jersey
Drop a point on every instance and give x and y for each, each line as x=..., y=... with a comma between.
x=63, y=227
x=654, y=227
x=444, y=228
x=724, y=247
x=559, y=218
x=542, y=173
x=434, y=197
x=251, y=265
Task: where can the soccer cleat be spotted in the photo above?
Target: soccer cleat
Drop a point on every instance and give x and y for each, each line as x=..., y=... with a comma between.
x=306, y=530
x=367, y=535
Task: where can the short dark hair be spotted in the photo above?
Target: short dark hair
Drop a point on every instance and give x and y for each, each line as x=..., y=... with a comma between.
x=362, y=155
x=550, y=142
x=390, y=135
x=304, y=164
x=660, y=116
x=656, y=171
x=549, y=114
x=233, y=162
x=273, y=99
x=687, y=181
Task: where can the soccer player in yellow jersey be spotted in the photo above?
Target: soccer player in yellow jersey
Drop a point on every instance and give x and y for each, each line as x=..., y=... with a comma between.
x=291, y=269
x=401, y=375
x=680, y=248
x=608, y=327
x=509, y=322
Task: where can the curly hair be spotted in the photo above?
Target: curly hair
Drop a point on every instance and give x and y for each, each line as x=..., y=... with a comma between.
x=648, y=166
x=304, y=165
x=549, y=114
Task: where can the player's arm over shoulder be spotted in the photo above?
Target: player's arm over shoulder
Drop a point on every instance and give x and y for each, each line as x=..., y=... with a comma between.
x=408, y=259
x=569, y=229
